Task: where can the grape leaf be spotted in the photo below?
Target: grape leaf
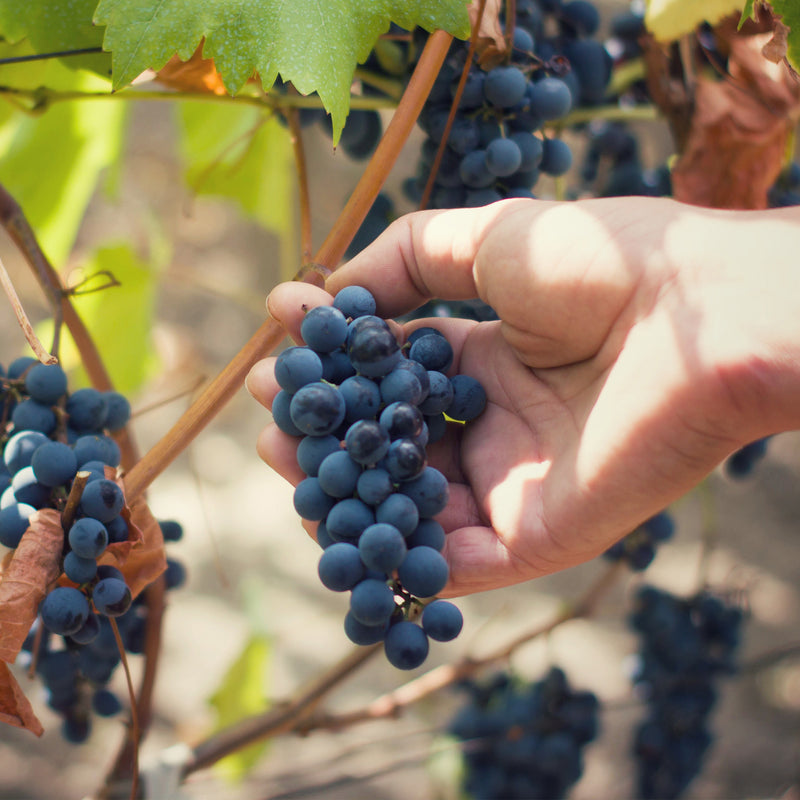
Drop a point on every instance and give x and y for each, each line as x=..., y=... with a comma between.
x=241, y=694
x=69, y=145
x=314, y=45
x=789, y=12
x=56, y=26
x=668, y=20
x=238, y=153
x=33, y=570
x=15, y=708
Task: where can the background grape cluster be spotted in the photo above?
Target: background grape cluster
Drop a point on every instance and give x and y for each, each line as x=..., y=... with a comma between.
x=52, y=437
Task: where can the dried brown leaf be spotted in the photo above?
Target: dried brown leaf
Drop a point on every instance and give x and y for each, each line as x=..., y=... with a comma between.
x=198, y=74
x=142, y=557
x=775, y=49
x=33, y=570
x=739, y=130
x=491, y=46
x=15, y=709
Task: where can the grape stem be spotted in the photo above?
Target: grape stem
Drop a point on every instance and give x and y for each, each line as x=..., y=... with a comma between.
x=270, y=333
x=22, y=318
x=292, y=117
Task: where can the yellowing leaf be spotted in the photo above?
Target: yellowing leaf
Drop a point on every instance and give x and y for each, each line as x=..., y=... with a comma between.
x=119, y=318
x=668, y=20
x=239, y=153
x=51, y=163
x=242, y=694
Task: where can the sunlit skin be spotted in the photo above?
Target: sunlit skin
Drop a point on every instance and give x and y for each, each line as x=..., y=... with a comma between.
x=642, y=341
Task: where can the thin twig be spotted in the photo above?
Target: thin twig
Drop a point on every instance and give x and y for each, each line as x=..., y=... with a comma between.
x=134, y=731
x=278, y=720
x=74, y=499
x=304, y=195
x=390, y=704
x=22, y=319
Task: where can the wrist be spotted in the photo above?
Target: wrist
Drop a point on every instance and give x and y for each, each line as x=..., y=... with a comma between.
x=743, y=279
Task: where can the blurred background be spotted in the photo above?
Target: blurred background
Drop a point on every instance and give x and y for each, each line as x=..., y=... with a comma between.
x=252, y=570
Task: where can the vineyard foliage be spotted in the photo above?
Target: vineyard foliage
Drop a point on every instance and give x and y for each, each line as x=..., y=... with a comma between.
x=231, y=71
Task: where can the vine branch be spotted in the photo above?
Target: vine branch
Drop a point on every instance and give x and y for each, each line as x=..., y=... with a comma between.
x=270, y=333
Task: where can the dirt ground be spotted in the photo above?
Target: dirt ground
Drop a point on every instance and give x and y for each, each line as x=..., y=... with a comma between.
x=243, y=541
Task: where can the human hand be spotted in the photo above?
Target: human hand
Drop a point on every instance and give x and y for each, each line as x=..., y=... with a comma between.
x=621, y=373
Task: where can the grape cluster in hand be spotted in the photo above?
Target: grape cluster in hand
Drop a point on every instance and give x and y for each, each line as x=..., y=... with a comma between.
x=366, y=408
x=686, y=646
x=524, y=740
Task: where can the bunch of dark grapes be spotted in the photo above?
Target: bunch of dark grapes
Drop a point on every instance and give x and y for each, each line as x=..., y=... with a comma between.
x=53, y=443
x=52, y=436
x=524, y=740
x=366, y=408
x=497, y=146
x=612, y=165
x=76, y=669
x=686, y=646
x=638, y=548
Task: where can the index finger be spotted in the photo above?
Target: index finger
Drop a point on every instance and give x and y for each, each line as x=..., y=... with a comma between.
x=422, y=255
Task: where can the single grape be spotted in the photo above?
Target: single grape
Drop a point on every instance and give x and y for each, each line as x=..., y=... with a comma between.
x=46, y=383
x=323, y=329
x=111, y=597
x=102, y=499
x=400, y=511
x=469, y=398
x=382, y=547
x=354, y=301
x=372, y=602
x=54, y=464
x=340, y=567
x=87, y=409
x=312, y=450
x=20, y=448
x=405, y=460
x=504, y=86
x=402, y=420
x=424, y=572
x=88, y=538
x=317, y=409
x=78, y=569
x=374, y=486
x=367, y=442
x=310, y=500
x=338, y=474
x=503, y=157
x=361, y=634
x=442, y=620
x=429, y=491
x=296, y=367
x=348, y=518
x=406, y=645
x=64, y=610
x=14, y=521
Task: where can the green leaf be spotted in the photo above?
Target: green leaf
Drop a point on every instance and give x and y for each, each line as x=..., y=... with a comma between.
x=239, y=153
x=120, y=319
x=314, y=45
x=51, y=163
x=748, y=12
x=668, y=20
x=55, y=26
x=242, y=694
